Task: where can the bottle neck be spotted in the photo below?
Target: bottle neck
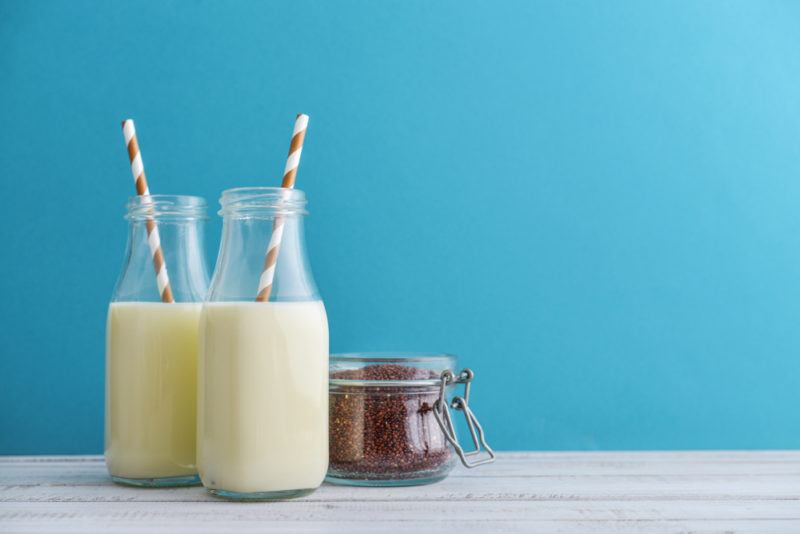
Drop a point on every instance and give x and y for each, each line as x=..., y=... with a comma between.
x=274, y=240
x=165, y=249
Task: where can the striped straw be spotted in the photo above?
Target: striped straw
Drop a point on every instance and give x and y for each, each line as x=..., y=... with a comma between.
x=289, y=175
x=153, y=240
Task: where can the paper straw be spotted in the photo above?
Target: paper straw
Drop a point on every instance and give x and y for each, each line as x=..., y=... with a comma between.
x=153, y=240
x=289, y=175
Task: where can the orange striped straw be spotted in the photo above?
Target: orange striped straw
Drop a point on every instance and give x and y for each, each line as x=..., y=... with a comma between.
x=153, y=240
x=289, y=175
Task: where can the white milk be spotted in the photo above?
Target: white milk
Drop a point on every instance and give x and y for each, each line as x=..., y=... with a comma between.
x=151, y=378
x=263, y=396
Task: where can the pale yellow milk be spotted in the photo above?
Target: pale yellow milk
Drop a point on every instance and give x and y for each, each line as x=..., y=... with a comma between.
x=263, y=396
x=151, y=393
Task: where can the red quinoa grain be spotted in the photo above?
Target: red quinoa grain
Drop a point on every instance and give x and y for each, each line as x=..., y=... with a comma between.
x=386, y=432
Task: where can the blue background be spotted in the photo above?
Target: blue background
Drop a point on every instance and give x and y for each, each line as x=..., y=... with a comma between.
x=595, y=204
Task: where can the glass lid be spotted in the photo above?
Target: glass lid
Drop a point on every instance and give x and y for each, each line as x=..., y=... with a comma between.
x=390, y=368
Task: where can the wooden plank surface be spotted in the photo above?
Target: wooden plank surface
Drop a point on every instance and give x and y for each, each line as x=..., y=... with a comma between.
x=521, y=492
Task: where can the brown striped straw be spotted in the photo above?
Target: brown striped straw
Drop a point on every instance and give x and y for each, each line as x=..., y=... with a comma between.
x=153, y=239
x=289, y=175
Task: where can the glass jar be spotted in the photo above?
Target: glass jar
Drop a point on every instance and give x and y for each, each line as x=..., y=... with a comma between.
x=390, y=422
x=263, y=371
x=151, y=344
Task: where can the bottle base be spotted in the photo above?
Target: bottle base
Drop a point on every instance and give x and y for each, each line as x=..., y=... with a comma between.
x=385, y=483
x=260, y=495
x=160, y=482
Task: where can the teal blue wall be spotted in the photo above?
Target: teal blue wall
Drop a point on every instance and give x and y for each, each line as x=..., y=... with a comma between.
x=595, y=204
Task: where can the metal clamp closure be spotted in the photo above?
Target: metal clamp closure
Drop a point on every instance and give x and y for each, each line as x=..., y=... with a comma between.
x=441, y=410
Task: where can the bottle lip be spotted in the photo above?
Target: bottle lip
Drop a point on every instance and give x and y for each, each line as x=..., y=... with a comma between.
x=345, y=368
x=262, y=202
x=162, y=208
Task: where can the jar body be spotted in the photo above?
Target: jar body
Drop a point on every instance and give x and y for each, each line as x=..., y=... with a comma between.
x=262, y=400
x=383, y=430
x=151, y=349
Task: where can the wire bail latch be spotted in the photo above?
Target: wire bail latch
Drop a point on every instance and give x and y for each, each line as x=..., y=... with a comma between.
x=441, y=410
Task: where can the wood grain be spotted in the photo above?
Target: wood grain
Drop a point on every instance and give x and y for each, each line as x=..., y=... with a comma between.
x=522, y=492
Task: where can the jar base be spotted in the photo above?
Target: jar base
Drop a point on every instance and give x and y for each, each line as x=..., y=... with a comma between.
x=260, y=495
x=161, y=482
x=386, y=483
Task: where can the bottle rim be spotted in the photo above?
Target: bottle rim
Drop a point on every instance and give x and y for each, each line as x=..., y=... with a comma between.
x=165, y=208
x=262, y=202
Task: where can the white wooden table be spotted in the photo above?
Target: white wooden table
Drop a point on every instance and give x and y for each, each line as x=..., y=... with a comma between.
x=521, y=492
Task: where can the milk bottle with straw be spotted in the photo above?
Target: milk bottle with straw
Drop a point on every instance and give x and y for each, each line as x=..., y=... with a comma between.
x=263, y=367
x=151, y=345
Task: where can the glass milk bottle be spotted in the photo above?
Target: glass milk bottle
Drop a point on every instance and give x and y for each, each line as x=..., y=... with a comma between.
x=263, y=368
x=151, y=344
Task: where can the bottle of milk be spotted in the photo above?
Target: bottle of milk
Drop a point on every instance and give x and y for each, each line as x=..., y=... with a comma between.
x=151, y=344
x=263, y=367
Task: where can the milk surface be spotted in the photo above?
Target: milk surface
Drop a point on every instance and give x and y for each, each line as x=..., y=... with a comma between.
x=151, y=389
x=263, y=396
